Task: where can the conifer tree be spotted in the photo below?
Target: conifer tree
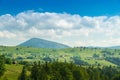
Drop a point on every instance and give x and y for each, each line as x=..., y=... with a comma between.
x=23, y=75
x=34, y=71
x=2, y=65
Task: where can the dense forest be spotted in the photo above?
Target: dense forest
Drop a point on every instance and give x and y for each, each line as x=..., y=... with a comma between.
x=68, y=71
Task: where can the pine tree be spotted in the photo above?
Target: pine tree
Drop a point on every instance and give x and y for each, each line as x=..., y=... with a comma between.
x=34, y=71
x=116, y=77
x=2, y=65
x=23, y=75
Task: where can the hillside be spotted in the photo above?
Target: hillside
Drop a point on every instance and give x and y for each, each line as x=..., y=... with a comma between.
x=114, y=47
x=82, y=55
x=12, y=72
x=41, y=43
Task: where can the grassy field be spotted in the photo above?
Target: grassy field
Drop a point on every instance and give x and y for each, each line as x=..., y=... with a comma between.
x=12, y=72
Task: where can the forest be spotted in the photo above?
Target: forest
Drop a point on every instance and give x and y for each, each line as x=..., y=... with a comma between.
x=69, y=71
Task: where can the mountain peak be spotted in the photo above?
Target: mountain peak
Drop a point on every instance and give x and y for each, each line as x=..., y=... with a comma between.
x=41, y=43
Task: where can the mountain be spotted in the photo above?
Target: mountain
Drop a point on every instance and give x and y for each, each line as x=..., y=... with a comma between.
x=102, y=47
x=115, y=47
x=41, y=43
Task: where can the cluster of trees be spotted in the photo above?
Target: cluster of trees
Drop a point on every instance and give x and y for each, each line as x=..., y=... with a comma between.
x=114, y=60
x=77, y=60
x=68, y=71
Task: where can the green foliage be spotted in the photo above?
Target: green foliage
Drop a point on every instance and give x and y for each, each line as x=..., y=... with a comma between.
x=51, y=67
x=23, y=75
x=116, y=77
x=2, y=65
x=84, y=55
x=8, y=61
x=35, y=71
x=69, y=71
x=12, y=72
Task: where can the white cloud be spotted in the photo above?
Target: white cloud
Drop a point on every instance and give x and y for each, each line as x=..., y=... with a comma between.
x=6, y=34
x=73, y=30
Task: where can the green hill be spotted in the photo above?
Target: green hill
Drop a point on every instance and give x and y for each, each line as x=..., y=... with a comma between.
x=80, y=55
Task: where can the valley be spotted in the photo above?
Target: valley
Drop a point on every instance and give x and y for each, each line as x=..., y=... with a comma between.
x=77, y=55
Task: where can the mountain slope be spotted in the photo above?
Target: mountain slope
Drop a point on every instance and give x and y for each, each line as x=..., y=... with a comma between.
x=115, y=47
x=41, y=43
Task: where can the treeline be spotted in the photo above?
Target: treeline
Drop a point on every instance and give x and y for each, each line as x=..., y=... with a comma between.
x=68, y=71
x=114, y=60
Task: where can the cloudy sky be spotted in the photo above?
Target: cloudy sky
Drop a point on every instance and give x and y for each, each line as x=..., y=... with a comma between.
x=71, y=22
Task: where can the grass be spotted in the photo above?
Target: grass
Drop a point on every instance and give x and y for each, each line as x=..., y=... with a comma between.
x=12, y=72
x=37, y=54
x=102, y=62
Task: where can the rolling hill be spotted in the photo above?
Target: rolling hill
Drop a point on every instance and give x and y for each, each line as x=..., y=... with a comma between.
x=41, y=43
x=78, y=55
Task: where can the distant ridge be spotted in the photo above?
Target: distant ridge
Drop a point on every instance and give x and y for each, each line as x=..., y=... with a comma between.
x=41, y=43
x=114, y=47
x=110, y=47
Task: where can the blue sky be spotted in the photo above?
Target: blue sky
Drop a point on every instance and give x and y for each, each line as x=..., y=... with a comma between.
x=81, y=7
x=71, y=22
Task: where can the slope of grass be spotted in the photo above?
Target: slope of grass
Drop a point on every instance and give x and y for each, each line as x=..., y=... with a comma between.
x=12, y=72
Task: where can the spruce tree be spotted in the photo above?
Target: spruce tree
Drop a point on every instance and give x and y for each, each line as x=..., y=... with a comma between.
x=23, y=75
x=34, y=71
x=2, y=65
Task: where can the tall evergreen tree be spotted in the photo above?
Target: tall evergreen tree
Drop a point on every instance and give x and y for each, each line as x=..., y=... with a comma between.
x=2, y=65
x=116, y=77
x=23, y=75
x=34, y=71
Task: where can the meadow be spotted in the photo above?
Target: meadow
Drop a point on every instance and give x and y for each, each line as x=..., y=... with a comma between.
x=77, y=55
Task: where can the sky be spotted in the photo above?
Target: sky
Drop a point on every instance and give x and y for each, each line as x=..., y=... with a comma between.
x=71, y=22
